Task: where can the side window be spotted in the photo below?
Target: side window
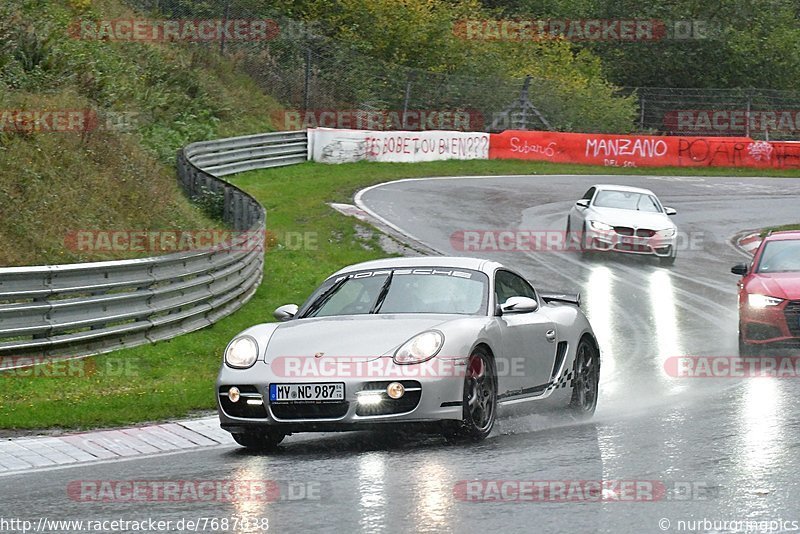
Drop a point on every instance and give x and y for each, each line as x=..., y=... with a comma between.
x=508, y=284
x=589, y=194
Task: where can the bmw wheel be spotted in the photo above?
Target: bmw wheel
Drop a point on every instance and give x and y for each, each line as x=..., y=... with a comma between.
x=585, y=243
x=480, y=399
x=585, y=380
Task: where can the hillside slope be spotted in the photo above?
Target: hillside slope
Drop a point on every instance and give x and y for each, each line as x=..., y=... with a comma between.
x=133, y=105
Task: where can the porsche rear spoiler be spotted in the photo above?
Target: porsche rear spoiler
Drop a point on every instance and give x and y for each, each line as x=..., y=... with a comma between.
x=567, y=298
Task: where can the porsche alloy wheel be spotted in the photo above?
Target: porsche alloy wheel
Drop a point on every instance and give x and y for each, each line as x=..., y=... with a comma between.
x=480, y=399
x=586, y=380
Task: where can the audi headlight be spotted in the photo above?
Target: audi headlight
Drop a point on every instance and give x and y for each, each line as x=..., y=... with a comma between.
x=669, y=232
x=241, y=352
x=603, y=227
x=762, y=301
x=419, y=348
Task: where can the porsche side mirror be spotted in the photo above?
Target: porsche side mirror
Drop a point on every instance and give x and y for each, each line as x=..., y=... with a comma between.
x=519, y=305
x=583, y=203
x=740, y=268
x=285, y=312
x=670, y=211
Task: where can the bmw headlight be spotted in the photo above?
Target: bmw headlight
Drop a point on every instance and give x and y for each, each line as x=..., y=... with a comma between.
x=601, y=226
x=241, y=352
x=669, y=232
x=762, y=301
x=419, y=348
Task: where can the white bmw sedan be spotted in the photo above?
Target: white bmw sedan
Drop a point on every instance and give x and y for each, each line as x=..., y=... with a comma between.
x=624, y=219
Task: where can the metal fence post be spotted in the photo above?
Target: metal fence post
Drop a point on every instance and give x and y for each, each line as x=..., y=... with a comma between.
x=224, y=22
x=307, y=82
x=747, y=113
x=641, y=113
x=407, y=96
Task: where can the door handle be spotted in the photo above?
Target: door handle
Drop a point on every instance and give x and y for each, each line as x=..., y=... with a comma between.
x=550, y=335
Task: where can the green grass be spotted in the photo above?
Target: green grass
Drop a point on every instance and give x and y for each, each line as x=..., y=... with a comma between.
x=175, y=378
x=55, y=183
x=780, y=228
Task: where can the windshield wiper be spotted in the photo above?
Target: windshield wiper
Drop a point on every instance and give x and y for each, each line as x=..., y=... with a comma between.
x=325, y=297
x=383, y=293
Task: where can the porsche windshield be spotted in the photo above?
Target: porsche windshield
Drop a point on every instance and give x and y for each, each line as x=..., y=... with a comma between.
x=627, y=200
x=412, y=290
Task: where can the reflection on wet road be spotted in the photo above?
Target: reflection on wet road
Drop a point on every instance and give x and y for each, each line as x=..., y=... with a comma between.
x=720, y=449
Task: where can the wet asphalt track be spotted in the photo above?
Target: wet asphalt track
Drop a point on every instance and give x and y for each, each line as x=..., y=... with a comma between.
x=734, y=442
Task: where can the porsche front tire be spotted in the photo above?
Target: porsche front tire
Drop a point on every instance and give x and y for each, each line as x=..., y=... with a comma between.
x=479, y=400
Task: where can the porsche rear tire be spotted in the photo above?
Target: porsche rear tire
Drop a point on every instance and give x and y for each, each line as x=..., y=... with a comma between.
x=479, y=401
x=262, y=441
x=585, y=381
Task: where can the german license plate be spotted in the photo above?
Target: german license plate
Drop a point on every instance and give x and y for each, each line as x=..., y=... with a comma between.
x=630, y=240
x=322, y=392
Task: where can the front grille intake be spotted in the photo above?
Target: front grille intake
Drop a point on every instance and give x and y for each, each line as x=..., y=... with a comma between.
x=792, y=314
x=623, y=230
x=328, y=410
x=242, y=408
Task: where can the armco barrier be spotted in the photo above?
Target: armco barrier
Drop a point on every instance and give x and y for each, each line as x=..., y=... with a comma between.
x=238, y=154
x=90, y=308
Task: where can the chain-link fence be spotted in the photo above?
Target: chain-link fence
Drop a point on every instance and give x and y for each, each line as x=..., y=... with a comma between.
x=757, y=113
x=326, y=82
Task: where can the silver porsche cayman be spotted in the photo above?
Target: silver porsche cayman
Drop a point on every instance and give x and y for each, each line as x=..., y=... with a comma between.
x=438, y=344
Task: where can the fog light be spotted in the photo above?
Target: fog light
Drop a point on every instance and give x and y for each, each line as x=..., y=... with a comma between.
x=370, y=399
x=395, y=390
x=233, y=394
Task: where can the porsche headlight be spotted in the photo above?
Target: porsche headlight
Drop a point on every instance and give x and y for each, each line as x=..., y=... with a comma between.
x=241, y=352
x=669, y=232
x=601, y=226
x=762, y=301
x=419, y=348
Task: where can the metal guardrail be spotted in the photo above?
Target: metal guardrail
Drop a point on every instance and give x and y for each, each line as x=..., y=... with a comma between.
x=68, y=311
x=238, y=154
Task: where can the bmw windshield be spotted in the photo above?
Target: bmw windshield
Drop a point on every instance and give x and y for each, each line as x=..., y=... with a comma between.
x=627, y=200
x=412, y=290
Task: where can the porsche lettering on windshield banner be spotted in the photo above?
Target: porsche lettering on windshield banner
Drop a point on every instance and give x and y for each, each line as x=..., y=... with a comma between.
x=644, y=150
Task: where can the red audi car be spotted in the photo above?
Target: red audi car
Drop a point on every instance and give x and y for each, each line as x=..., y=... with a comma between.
x=769, y=294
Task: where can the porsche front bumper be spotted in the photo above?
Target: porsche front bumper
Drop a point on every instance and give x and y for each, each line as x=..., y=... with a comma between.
x=427, y=399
